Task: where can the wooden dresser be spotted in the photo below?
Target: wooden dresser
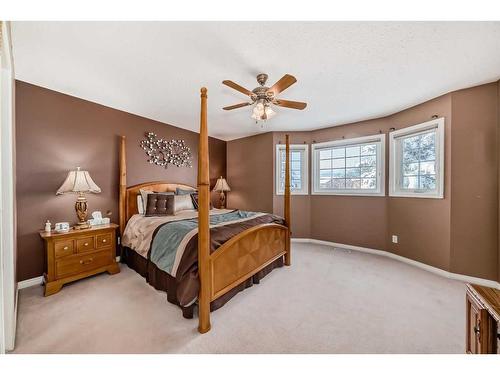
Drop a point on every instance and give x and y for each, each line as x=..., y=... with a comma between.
x=77, y=254
x=483, y=320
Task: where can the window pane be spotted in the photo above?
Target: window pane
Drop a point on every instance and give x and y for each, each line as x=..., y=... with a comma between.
x=428, y=146
x=338, y=183
x=368, y=161
x=368, y=149
x=295, y=165
x=410, y=169
x=339, y=152
x=351, y=183
x=295, y=175
x=325, y=164
x=368, y=172
x=295, y=155
x=353, y=172
x=338, y=163
x=368, y=183
x=325, y=173
x=338, y=173
x=325, y=183
x=418, y=164
x=352, y=151
x=352, y=162
x=428, y=167
x=325, y=154
x=295, y=184
x=352, y=167
x=428, y=182
x=410, y=182
x=411, y=150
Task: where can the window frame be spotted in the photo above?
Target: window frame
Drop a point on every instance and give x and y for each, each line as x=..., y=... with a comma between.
x=395, y=162
x=305, y=167
x=377, y=138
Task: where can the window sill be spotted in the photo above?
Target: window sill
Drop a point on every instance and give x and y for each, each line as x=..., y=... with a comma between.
x=293, y=193
x=349, y=194
x=416, y=195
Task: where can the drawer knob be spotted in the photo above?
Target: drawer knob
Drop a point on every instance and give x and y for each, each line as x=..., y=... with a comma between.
x=65, y=248
x=87, y=261
x=86, y=244
x=104, y=240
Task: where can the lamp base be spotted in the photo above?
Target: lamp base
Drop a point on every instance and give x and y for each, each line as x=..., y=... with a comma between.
x=81, y=212
x=222, y=200
x=81, y=226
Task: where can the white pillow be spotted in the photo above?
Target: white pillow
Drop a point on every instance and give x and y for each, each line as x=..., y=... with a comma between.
x=140, y=205
x=183, y=202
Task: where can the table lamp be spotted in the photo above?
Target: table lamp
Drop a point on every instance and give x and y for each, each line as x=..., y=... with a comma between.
x=222, y=186
x=79, y=182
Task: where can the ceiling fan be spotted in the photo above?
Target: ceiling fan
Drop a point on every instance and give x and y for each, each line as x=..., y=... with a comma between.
x=263, y=96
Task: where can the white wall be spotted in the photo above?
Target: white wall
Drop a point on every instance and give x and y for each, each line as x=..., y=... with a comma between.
x=8, y=288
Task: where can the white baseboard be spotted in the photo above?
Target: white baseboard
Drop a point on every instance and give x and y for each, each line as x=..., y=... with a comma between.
x=426, y=267
x=30, y=282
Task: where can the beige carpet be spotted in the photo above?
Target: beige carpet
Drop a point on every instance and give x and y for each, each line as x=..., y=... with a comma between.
x=329, y=301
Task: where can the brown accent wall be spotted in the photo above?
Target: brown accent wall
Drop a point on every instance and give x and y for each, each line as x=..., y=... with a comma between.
x=423, y=225
x=250, y=173
x=459, y=233
x=55, y=133
x=353, y=220
x=474, y=189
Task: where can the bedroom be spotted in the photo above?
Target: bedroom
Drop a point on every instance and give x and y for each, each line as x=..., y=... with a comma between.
x=382, y=225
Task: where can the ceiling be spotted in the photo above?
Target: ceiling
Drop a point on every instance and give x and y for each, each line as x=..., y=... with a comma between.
x=346, y=71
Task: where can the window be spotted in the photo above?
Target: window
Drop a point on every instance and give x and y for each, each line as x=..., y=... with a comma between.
x=299, y=183
x=417, y=160
x=350, y=167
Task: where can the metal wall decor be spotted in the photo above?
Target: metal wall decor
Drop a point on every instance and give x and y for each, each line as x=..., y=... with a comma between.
x=162, y=152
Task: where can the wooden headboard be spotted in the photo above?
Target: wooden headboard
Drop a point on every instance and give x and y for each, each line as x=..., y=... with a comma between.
x=158, y=186
x=128, y=195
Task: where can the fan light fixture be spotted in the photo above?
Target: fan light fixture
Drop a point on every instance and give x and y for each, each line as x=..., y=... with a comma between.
x=262, y=111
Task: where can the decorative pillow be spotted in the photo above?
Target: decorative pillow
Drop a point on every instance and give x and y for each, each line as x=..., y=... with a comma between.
x=179, y=191
x=183, y=202
x=160, y=204
x=144, y=197
x=194, y=198
x=140, y=205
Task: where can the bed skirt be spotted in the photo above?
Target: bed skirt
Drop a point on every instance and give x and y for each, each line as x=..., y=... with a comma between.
x=161, y=280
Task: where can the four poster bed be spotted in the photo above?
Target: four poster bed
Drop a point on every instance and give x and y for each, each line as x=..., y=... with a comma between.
x=203, y=257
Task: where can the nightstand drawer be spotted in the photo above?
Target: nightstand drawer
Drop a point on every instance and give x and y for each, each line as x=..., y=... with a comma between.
x=85, y=244
x=80, y=263
x=63, y=248
x=104, y=240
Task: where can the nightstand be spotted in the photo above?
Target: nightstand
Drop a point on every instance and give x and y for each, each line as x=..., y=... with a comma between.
x=78, y=254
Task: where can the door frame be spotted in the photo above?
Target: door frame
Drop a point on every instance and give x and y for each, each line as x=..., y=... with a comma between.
x=8, y=285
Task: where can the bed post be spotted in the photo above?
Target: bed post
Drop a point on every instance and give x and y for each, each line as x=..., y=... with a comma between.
x=123, y=186
x=203, y=220
x=287, y=200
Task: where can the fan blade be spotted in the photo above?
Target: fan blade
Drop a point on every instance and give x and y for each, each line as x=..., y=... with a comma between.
x=285, y=82
x=236, y=106
x=290, y=104
x=237, y=87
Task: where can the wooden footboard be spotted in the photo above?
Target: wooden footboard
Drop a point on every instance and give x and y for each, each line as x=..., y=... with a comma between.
x=244, y=255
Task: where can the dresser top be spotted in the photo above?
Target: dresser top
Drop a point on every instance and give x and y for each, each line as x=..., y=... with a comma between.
x=490, y=297
x=72, y=232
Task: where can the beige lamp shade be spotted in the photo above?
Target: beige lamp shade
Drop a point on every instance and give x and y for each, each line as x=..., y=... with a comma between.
x=221, y=185
x=78, y=182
